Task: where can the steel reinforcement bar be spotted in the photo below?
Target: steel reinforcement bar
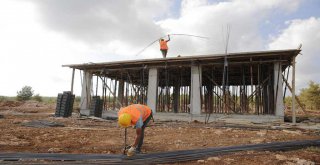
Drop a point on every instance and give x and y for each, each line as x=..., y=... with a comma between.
x=155, y=158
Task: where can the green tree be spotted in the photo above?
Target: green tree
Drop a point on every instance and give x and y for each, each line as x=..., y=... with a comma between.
x=311, y=96
x=38, y=98
x=25, y=93
x=288, y=101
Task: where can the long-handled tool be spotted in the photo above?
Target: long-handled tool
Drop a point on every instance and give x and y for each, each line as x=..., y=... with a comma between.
x=188, y=35
x=125, y=141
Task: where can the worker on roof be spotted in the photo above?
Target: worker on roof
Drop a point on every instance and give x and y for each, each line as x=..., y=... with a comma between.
x=164, y=46
x=137, y=115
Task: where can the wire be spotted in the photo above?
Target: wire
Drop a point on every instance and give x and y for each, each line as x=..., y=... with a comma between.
x=225, y=67
x=189, y=35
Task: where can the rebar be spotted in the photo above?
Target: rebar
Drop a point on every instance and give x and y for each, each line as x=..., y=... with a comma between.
x=161, y=157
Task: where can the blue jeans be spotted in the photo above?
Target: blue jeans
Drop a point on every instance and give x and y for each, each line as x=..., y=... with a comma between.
x=142, y=132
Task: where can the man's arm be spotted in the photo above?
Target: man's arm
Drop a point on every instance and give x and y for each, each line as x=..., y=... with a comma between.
x=169, y=38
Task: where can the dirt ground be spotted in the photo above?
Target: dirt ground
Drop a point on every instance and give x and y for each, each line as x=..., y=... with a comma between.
x=86, y=135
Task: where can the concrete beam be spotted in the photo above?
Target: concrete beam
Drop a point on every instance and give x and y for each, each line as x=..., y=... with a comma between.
x=152, y=95
x=195, y=101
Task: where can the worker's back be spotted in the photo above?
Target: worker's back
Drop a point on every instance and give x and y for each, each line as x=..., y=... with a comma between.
x=136, y=110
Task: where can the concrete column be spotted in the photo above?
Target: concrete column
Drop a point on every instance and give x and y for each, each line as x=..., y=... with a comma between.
x=293, y=89
x=195, y=101
x=152, y=89
x=72, y=80
x=278, y=91
x=86, y=91
x=121, y=92
x=176, y=97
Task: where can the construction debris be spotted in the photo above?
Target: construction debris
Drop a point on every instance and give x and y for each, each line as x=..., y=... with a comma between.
x=42, y=124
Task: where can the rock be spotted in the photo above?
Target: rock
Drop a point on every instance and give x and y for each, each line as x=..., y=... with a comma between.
x=15, y=142
x=302, y=161
x=257, y=141
x=196, y=121
x=262, y=133
x=178, y=141
x=292, y=132
x=218, y=132
x=25, y=121
x=54, y=150
x=315, y=120
x=16, y=122
x=33, y=111
x=229, y=160
x=250, y=152
x=213, y=158
x=281, y=157
x=289, y=163
x=200, y=161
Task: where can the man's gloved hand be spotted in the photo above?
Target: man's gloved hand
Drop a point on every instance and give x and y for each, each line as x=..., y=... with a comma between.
x=128, y=147
x=131, y=151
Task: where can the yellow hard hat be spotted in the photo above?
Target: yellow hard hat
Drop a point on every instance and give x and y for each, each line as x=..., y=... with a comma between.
x=124, y=120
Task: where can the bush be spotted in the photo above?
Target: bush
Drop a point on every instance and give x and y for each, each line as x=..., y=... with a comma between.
x=311, y=96
x=25, y=93
x=2, y=98
x=38, y=98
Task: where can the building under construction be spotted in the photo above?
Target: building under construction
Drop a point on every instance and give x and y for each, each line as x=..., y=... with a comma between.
x=246, y=83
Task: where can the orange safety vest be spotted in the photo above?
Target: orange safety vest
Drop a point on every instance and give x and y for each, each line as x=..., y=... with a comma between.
x=163, y=45
x=136, y=110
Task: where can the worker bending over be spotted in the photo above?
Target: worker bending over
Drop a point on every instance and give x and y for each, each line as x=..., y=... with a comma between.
x=137, y=115
x=164, y=46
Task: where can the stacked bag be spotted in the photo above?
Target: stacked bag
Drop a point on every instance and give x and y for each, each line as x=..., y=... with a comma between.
x=96, y=106
x=64, y=105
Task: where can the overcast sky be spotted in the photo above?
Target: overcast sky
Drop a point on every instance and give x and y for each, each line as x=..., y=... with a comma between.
x=37, y=37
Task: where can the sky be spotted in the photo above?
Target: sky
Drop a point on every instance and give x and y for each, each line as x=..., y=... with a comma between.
x=37, y=37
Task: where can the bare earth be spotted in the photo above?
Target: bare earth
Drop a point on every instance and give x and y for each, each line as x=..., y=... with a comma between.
x=85, y=135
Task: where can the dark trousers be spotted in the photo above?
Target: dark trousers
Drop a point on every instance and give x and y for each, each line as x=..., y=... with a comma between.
x=164, y=52
x=142, y=132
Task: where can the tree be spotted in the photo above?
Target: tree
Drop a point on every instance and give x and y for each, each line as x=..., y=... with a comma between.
x=25, y=93
x=38, y=98
x=311, y=96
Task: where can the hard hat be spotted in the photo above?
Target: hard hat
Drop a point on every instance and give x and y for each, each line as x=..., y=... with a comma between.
x=124, y=120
